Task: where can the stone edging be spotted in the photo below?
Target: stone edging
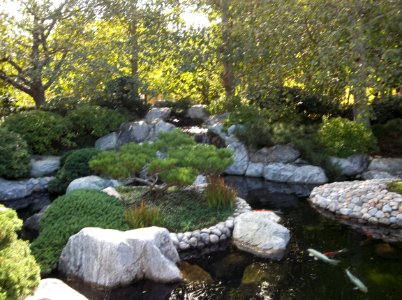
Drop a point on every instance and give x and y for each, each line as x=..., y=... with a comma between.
x=366, y=201
x=199, y=239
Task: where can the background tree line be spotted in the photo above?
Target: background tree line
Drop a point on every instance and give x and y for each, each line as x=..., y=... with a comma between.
x=340, y=50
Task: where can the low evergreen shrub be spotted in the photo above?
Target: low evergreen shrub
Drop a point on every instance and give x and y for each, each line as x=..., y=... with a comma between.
x=95, y=121
x=15, y=160
x=19, y=273
x=67, y=215
x=61, y=105
x=45, y=132
x=342, y=137
x=386, y=109
x=74, y=164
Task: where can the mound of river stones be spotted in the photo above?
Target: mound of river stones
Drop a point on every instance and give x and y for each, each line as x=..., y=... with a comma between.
x=366, y=201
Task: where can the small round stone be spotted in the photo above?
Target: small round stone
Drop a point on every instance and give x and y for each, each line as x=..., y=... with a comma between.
x=213, y=238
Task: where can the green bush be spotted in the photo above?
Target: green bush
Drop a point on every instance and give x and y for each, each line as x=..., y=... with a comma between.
x=342, y=137
x=67, y=215
x=386, y=109
x=73, y=165
x=95, y=121
x=19, y=273
x=120, y=94
x=14, y=157
x=45, y=132
x=61, y=105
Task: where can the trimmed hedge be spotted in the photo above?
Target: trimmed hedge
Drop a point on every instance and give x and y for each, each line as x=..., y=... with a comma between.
x=67, y=215
x=19, y=273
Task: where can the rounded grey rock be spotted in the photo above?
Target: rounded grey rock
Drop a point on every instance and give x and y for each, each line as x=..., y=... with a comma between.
x=214, y=238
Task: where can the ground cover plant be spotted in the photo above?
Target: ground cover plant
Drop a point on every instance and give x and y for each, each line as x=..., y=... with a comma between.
x=67, y=215
x=395, y=186
x=19, y=273
x=176, y=210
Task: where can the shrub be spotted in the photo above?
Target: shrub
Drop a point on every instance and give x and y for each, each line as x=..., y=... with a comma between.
x=73, y=165
x=217, y=194
x=45, y=132
x=61, y=105
x=386, y=109
x=95, y=121
x=14, y=157
x=120, y=94
x=19, y=273
x=67, y=215
x=142, y=216
x=342, y=137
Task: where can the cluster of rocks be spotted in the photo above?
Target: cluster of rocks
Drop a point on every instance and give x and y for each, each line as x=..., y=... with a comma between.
x=280, y=163
x=206, y=237
x=366, y=201
x=147, y=129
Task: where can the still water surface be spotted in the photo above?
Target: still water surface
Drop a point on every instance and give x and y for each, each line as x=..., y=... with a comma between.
x=238, y=275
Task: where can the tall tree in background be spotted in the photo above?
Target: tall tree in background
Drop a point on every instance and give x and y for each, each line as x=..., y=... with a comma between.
x=35, y=46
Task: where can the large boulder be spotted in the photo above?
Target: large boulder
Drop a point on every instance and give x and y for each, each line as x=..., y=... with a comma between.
x=17, y=189
x=280, y=172
x=155, y=113
x=197, y=112
x=392, y=166
x=352, y=165
x=44, y=165
x=55, y=289
x=91, y=183
x=260, y=234
x=110, y=258
x=377, y=175
x=162, y=126
x=240, y=156
x=108, y=142
x=134, y=132
x=255, y=170
x=277, y=153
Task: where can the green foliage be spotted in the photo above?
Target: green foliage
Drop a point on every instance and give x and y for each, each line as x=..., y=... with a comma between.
x=122, y=94
x=217, y=194
x=19, y=273
x=184, y=159
x=7, y=105
x=61, y=105
x=142, y=216
x=386, y=109
x=14, y=157
x=180, y=210
x=395, y=186
x=342, y=137
x=73, y=165
x=45, y=132
x=67, y=215
x=95, y=121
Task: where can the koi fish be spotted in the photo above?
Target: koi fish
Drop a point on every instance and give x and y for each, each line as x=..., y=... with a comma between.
x=359, y=285
x=333, y=253
x=321, y=256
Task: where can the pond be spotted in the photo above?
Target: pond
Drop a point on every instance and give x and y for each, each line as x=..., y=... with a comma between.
x=238, y=275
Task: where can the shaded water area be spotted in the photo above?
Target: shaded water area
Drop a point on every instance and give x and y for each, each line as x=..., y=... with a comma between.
x=238, y=275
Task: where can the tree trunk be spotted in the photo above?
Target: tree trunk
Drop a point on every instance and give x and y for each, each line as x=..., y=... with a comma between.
x=227, y=53
x=134, y=56
x=38, y=95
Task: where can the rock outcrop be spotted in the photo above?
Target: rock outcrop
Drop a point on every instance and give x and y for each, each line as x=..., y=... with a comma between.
x=111, y=258
x=55, y=289
x=44, y=165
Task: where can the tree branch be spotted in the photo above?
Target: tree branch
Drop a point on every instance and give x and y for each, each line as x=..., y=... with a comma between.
x=6, y=78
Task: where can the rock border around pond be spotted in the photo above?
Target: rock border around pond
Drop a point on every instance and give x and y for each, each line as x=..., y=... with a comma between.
x=366, y=201
x=202, y=238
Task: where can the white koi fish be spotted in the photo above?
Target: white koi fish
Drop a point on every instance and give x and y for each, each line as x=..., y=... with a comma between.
x=357, y=282
x=323, y=257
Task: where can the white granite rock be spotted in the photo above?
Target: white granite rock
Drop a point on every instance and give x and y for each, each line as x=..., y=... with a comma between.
x=44, y=165
x=241, y=160
x=255, y=170
x=352, y=165
x=55, y=289
x=108, y=142
x=155, y=113
x=91, y=183
x=294, y=174
x=198, y=112
x=110, y=258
